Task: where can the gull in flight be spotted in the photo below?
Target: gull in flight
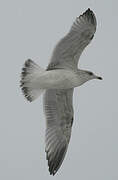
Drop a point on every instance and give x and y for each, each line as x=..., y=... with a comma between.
x=58, y=82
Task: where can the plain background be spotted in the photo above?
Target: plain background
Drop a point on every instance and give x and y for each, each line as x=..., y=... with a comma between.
x=30, y=29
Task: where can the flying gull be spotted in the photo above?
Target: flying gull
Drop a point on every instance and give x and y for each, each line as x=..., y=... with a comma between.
x=58, y=82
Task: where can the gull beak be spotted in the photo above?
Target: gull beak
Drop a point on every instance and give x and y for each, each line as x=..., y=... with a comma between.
x=100, y=78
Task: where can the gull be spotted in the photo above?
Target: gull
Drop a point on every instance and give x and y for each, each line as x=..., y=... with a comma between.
x=57, y=82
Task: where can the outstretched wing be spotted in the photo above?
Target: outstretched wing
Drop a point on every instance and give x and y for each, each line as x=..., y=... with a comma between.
x=59, y=118
x=67, y=52
x=58, y=103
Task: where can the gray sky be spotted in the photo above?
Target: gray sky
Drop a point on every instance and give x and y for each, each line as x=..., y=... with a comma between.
x=30, y=29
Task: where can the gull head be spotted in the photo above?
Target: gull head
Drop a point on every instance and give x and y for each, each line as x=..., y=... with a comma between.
x=85, y=76
x=90, y=75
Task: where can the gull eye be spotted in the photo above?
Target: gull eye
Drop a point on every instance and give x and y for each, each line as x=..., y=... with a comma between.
x=90, y=73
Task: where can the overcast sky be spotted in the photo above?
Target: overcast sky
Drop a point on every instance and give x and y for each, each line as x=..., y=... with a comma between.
x=30, y=29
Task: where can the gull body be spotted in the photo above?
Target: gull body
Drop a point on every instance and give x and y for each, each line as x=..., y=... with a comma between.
x=58, y=81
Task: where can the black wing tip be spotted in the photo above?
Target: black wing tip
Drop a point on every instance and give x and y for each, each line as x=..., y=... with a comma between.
x=55, y=163
x=89, y=10
x=89, y=14
x=51, y=164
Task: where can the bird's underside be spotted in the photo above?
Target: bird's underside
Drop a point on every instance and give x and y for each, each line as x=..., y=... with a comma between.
x=58, y=105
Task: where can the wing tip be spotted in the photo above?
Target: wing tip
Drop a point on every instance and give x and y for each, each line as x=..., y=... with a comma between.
x=55, y=162
x=88, y=12
x=90, y=16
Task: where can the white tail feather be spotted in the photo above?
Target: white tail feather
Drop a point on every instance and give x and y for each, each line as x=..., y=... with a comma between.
x=29, y=73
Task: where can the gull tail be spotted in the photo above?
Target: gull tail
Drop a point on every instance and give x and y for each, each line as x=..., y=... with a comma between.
x=30, y=72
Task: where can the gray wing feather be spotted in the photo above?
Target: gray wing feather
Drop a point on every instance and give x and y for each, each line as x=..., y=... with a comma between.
x=59, y=117
x=67, y=52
